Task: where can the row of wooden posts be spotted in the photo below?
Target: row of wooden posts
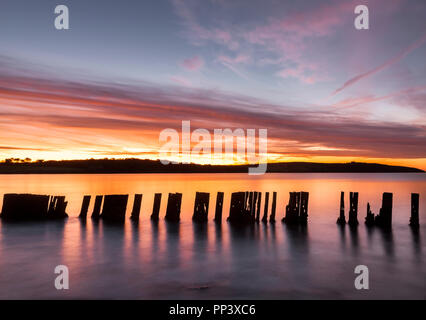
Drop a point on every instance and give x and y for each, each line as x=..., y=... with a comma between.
x=245, y=207
x=384, y=218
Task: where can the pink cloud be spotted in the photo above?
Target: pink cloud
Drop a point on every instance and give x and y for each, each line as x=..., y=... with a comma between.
x=383, y=66
x=181, y=81
x=193, y=64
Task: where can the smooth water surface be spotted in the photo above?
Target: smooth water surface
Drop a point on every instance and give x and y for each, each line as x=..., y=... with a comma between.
x=190, y=261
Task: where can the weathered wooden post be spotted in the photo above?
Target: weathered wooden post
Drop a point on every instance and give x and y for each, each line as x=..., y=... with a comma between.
x=384, y=219
x=265, y=210
x=291, y=209
x=353, y=209
x=137, y=202
x=369, y=219
x=84, y=207
x=201, y=207
x=25, y=207
x=155, y=216
x=97, y=207
x=341, y=219
x=303, y=208
x=259, y=199
x=414, y=219
x=59, y=207
x=114, y=208
x=219, y=207
x=254, y=205
x=250, y=203
x=273, y=208
x=173, y=207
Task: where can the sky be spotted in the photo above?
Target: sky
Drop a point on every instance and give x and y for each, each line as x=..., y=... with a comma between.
x=126, y=70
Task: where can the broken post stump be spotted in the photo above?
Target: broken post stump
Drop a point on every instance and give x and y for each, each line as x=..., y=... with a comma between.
x=155, y=216
x=114, y=208
x=201, y=207
x=341, y=219
x=384, y=218
x=414, y=219
x=57, y=207
x=137, y=202
x=219, y=207
x=97, y=207
x=369, y=219
x=353, y=209
x=84, y=207
x=173, y=207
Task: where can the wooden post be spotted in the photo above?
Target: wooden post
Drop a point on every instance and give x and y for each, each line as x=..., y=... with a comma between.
x=219, y=207
x=353, y=209
x=155, y=216
x=97, y=208
x=265, y=210
x=414, y=219
x=84, y=207
x=369, y=219
x=173, y=207
x=201, y=207
x=291, y=212
x=342, y=220
x=136, y=207
x=384, y=219
x=273, y=208
x=303, y=207
x=114, y=208
x=259, y=199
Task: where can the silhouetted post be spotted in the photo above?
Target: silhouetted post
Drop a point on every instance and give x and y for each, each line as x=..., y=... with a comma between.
x=59, y=207
x=369, y=219
x=84, y=207
x=155, y=216
x=51, y=207
x=273, y=208
x=250, y=203
x=97, y=207
x=414, y=219
x=173, y=207
x=259, y=199
x=114, y=208
x=137, y=202
x=33, y=207
x=291, y=209
x=238, y=207
x=201, y=207
x=265, y=210
x=254, y=204
x=24, y=207
x=353, y=209
x=219, y=207
x=384, y=219
x=342, y=219
x=303, y=208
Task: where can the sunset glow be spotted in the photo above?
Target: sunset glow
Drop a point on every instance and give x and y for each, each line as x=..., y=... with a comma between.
x=324, y=92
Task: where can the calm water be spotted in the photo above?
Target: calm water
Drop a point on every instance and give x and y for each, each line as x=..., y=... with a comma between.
x=187, y=261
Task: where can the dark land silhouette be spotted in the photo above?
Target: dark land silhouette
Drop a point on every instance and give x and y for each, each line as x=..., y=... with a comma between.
x=152, y=166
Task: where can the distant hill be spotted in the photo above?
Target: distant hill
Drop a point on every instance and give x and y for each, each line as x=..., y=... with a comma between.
x=150, y=166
